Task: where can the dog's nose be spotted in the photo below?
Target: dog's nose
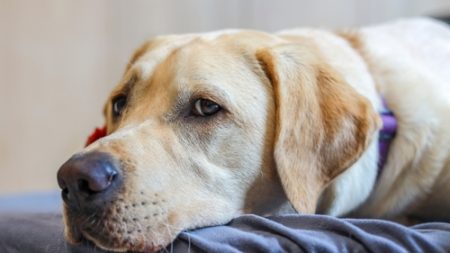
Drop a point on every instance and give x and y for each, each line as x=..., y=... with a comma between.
x=84, y=177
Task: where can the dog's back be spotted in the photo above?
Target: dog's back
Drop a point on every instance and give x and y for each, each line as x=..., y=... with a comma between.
x=410, y=63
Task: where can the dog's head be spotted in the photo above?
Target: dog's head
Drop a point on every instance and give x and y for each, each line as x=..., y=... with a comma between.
x=203, y=128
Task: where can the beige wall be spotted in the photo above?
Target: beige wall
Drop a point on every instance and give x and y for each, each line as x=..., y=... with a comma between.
x=59, y=59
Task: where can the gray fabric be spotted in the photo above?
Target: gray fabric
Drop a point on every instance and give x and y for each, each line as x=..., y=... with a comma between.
x=35, y=233
x=23, y=229
x=28, y=232
x=315, y=233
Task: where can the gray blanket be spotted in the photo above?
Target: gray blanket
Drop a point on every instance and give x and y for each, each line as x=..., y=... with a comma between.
x=23, y=229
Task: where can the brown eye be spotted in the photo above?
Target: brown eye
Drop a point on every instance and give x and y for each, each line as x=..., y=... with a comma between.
x=204, y=107
x=118, y=104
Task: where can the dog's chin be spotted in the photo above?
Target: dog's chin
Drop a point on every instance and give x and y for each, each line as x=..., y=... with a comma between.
x=105, y=232
x=77, y=237
x=124, y=245
x=77, y=233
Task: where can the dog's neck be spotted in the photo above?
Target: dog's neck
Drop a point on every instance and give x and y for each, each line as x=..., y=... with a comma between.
x=386, y=135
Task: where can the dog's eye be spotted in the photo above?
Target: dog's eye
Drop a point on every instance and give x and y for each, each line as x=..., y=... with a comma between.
x=205, y=107
x=118, y=104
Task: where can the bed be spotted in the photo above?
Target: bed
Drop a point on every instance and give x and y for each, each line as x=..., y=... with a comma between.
x=33, y=223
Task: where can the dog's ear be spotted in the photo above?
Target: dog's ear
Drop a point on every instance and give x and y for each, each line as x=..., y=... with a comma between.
x=322, y=124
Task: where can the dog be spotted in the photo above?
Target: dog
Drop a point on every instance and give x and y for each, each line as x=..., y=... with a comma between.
x=205, y=127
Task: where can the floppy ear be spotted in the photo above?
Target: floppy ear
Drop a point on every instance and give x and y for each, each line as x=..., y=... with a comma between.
x=322, y=124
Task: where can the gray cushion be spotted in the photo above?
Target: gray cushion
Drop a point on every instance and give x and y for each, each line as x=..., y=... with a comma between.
x=25, y=227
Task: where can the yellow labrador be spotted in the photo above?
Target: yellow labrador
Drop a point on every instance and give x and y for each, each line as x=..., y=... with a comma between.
x=205, y=127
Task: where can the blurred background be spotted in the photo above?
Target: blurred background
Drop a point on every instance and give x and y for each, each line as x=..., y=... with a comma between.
x=59, y=60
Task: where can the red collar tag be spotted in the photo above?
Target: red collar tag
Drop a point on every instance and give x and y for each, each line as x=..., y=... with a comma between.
x=98, y=133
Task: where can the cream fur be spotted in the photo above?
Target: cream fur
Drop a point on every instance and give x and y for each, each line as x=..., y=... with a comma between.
x=299, y=125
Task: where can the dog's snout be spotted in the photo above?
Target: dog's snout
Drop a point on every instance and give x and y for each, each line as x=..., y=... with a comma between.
x=84, y=177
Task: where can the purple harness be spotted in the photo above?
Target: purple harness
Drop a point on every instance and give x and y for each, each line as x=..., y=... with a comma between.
x=386, y=136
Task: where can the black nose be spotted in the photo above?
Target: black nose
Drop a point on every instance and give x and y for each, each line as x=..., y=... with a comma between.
x=88, y=178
